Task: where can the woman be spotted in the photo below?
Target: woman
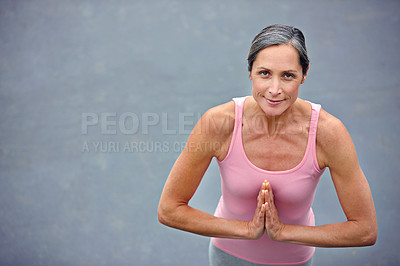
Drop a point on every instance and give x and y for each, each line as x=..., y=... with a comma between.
x=271, y=148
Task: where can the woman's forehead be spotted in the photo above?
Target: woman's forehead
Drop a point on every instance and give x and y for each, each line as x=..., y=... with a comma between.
x=278, y=56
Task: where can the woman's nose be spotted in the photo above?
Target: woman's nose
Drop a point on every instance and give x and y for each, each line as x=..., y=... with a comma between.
x=274, y=88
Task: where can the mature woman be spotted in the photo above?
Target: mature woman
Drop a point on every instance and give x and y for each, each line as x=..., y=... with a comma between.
x=271, y=148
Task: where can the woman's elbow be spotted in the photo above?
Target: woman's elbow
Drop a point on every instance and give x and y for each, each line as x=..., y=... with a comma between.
x=162, y=214
x=166, y=214
x=370, y=236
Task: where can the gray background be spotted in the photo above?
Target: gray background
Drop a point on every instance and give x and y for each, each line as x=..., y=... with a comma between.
x=64, y=203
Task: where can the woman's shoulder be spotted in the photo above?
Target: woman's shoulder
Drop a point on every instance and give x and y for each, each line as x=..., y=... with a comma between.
x=332, y=136
x=328, y=125
x=215, y=128
x=219, y=120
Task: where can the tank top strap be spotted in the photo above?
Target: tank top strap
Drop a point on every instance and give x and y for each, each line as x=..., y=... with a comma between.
x=239, y=105
x=314, y=118
x=235, y=145
x=313, y=135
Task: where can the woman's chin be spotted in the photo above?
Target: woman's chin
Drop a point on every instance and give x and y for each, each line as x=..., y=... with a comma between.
x=273, y=110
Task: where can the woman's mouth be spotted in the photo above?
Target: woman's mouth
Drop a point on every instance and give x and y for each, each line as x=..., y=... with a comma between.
x=274, y=102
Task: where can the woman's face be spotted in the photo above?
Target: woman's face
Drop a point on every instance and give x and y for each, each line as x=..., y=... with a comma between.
x=276, y=76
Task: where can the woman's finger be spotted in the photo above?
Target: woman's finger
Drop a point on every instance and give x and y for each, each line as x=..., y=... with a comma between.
x=270, y=195
x=260, y=202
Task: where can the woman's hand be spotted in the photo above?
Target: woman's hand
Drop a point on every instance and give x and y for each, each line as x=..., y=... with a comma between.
x=256, y=227
x=273, y=225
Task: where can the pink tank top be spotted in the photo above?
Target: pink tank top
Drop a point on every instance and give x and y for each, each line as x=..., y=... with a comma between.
x=294, y=191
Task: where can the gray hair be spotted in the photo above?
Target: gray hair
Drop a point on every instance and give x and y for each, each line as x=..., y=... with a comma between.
x=275, y=35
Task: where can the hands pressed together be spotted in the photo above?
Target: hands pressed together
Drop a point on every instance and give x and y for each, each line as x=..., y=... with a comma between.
x=266, y=216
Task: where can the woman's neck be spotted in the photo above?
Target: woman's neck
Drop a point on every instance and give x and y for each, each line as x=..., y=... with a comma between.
x=273, y=126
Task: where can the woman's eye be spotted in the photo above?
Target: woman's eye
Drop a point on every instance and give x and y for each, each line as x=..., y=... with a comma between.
x=288, y=75
x=264, y=73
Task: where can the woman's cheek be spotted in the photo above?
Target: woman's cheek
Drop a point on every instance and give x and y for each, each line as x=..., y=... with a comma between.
x=259, y=85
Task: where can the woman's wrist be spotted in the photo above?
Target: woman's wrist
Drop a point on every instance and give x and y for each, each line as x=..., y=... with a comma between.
x=280, y=235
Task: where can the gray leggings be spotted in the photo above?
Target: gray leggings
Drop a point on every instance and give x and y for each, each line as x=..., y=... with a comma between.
x=218, y=257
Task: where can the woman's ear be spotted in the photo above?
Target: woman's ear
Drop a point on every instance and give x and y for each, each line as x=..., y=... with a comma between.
x=305, y=75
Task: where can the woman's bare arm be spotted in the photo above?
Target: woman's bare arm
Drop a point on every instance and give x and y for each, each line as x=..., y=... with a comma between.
x=336, y=151
x=207, y=140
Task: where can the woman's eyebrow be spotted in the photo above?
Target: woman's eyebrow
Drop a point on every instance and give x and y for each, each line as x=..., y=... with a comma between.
x=264, y=68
